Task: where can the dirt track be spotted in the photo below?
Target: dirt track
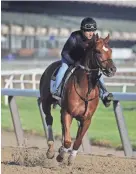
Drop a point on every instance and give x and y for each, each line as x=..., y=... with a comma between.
x=33, y=160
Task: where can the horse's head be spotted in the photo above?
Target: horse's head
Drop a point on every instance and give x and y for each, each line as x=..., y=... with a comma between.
x=103, y=56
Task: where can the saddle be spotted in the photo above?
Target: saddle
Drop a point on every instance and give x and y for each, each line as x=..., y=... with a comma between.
x=64, y=81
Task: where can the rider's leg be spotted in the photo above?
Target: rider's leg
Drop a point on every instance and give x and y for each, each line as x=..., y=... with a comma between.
x=60, y=75
x=103, y=90
x=106, y=97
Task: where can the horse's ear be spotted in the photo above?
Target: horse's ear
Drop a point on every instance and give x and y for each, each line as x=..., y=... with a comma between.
x=96, y=37
x=106, y=40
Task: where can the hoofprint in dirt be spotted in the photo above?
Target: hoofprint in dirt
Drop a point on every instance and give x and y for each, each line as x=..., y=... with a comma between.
x=33, y=160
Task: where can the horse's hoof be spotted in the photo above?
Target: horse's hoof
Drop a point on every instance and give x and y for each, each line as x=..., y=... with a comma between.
x=59, y=158
x=50, y=154
x=71, y=160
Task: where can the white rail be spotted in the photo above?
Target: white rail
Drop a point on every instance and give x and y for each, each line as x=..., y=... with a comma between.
x=10, y=79
x=9, y=83
x=41, y=70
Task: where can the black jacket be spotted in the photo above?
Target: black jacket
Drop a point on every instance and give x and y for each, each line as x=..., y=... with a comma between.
x=75, y=47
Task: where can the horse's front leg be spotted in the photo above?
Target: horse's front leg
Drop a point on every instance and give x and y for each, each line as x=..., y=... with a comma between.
x=66, y=120
x=84, y=125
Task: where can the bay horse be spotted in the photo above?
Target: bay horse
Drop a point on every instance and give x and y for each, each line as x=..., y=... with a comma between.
x=80, y=98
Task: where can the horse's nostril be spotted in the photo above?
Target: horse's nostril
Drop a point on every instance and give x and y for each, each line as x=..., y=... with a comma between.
x=113, y=69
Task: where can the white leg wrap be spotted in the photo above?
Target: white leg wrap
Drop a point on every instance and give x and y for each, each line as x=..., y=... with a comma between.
x=74, y=153
x=50, y=132
x=65, y=150
x=49, y=128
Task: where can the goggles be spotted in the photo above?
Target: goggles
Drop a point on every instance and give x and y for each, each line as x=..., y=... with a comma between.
x=89, y=27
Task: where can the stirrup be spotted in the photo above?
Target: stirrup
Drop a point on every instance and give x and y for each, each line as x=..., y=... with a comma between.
x=107, y=100
x=110, y=97
x=56, y=93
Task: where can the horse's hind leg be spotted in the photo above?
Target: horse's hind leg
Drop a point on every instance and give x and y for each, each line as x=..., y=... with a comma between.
x=80, y=134
x=46, y=105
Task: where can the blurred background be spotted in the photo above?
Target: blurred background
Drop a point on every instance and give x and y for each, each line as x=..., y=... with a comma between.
x=34, y=33
x=38, y=30
x=32, y=36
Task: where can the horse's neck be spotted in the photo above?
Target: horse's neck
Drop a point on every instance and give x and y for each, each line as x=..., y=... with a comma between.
x=84, y=80
x=81, y=78
x=88, y=59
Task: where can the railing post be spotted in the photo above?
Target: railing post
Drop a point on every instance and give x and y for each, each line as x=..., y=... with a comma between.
x=16, y=121
x=85, y=143
x=7, y=86
x=34, y=81
x=124, y=88
x=42, y=116
x=22, y=81
x=122, y=129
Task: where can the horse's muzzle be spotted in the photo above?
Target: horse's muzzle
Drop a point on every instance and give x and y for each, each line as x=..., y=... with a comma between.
x=110, y=71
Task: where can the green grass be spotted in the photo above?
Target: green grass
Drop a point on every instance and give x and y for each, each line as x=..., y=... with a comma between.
x=103, y=129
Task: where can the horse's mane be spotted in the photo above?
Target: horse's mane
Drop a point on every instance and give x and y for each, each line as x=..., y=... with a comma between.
x=89, y=60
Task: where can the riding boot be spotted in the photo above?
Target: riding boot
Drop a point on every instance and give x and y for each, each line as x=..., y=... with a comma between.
x=59, y=78
x=106, y=97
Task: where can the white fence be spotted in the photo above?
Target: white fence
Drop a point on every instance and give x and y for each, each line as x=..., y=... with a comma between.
x=10, y=78
x=10, y=81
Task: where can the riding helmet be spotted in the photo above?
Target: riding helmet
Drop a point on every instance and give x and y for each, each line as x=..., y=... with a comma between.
x=88, y=24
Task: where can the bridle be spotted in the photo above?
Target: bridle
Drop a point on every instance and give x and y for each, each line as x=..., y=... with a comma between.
x=88, y=70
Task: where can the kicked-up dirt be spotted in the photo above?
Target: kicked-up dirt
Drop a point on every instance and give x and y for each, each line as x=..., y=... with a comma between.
x=32, y=160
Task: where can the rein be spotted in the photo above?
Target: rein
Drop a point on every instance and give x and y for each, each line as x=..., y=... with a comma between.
x=88, y=70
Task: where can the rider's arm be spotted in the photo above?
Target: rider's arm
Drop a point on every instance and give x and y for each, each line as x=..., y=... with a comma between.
x=69, y=45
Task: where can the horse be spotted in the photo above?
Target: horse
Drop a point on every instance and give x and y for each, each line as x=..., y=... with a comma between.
x=80, y=96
